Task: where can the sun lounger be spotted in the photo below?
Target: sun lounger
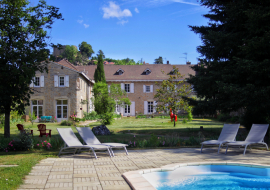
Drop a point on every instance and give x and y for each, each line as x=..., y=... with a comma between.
x=90, y=139
x=72, y=142
x=227, y=134
x=255, y=137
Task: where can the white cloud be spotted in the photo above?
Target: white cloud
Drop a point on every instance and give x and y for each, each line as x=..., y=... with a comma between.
x=80, y=21
x=137, y=10
x=114, y=10
x=185, y=2
x=86, y=25
x=122, y=22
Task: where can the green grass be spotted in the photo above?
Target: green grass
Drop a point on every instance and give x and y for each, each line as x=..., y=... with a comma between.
x=12, y=177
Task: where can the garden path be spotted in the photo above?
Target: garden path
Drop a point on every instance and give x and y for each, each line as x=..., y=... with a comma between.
x=83, y=171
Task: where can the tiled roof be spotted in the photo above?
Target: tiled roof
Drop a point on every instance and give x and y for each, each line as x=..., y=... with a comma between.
x=66, y=63
x=108, y=63
x=135, y=72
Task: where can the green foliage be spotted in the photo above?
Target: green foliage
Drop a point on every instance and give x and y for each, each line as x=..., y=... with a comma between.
x=104, y=104
x=24, y=49
x=189, y=116
x=158, y=60
x=106, y=118
x=66, y=123
x=70, y=53
x=23, y=142
x=184, y=121
x=170, y=93
x=91, y=116
x=126, y=61
x=118, y=95
x=32, y=117
x=44, y=145
x=154, y=141
x=234, y=50
x=101, y=54
x=99, y=75
x=86, y=49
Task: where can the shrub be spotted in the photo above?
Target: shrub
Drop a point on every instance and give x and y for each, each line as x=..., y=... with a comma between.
x=23, y=142
x=91, y=116
x=184, y=120
x=32, y=117
x=106, y=118
x=223, y=117
x=189, y=116
x=66, y=123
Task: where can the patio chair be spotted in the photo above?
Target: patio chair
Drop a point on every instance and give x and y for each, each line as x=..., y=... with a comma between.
x=89, y=138
x=21, y=129
x=227, y=134
x=42, y=129
x=255, y=137
x=72, y=142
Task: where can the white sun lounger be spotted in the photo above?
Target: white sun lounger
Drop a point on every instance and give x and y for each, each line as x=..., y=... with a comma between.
x=90, y=139
x=227, y=134
x=72, y=142
x=255, y=137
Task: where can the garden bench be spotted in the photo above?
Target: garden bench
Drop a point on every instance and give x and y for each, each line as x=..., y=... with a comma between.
x=21, y=129
x=46, y=119
x=42, y=129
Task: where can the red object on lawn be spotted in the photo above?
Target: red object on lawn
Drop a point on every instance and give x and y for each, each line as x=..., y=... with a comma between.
x=21, y=129
x=42, y=129
x=172, y=115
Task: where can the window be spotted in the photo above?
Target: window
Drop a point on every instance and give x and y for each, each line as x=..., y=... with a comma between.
x=37, y=82
x=127, y=109
x=127, y=87
x=119, y=72
x=37, y=107
x=61, y=81
x=61, y=108
x=150, y=107
x=147, y=89
x=146, y=72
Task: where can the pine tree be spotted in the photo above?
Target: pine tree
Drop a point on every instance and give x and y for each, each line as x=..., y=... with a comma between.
x=234, y=71
x=99, y=74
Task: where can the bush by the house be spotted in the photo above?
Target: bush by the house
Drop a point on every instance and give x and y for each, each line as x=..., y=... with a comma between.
x=66, y=123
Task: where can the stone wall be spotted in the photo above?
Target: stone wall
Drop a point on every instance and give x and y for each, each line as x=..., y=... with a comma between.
x=49, y=93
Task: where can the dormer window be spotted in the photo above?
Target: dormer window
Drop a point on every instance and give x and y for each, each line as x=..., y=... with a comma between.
x=146, y=72
x=173, y=72
x=119, y=72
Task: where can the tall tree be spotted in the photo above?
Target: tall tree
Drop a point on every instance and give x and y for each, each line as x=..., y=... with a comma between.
x=100, y=52
x=86, y=49
x=234, y=71
x=158, y=60
x=170, y=93
x=99, y=74
x=23, y=49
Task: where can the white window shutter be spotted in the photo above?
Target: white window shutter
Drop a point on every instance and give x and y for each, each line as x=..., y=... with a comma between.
x=155, y=105
x=144, y=88
x=67, y=81
x=55, y=81
x=41, y=81
x=122, y=86
x=145, y=107
x=151, y=88
x=132, y=108
x=32, y=82
x=131, y=87
x=109, y=88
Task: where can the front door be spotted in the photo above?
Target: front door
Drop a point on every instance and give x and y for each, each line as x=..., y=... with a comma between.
x=61, y=110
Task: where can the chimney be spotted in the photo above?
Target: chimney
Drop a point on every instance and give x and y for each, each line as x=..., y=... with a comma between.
x=188, y=63
x=168, y=63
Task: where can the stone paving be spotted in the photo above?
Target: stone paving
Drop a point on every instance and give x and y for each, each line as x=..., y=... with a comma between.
x=84, y=172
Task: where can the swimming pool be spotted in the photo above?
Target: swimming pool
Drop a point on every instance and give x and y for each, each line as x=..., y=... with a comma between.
x=210, y=176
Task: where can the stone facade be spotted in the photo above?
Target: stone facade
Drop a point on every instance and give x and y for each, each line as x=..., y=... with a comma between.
x=61, y=100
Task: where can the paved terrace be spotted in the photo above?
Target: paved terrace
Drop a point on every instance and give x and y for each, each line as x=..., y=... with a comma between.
x=84, y=172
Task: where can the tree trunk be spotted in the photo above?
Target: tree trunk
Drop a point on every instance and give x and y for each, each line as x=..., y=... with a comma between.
x=7, y=123
x=173, y=118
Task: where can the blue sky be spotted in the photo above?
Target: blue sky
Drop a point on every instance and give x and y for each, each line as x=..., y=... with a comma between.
x=132, y=28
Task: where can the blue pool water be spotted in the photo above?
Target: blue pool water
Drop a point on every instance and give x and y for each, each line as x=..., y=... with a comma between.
x=210, y=177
